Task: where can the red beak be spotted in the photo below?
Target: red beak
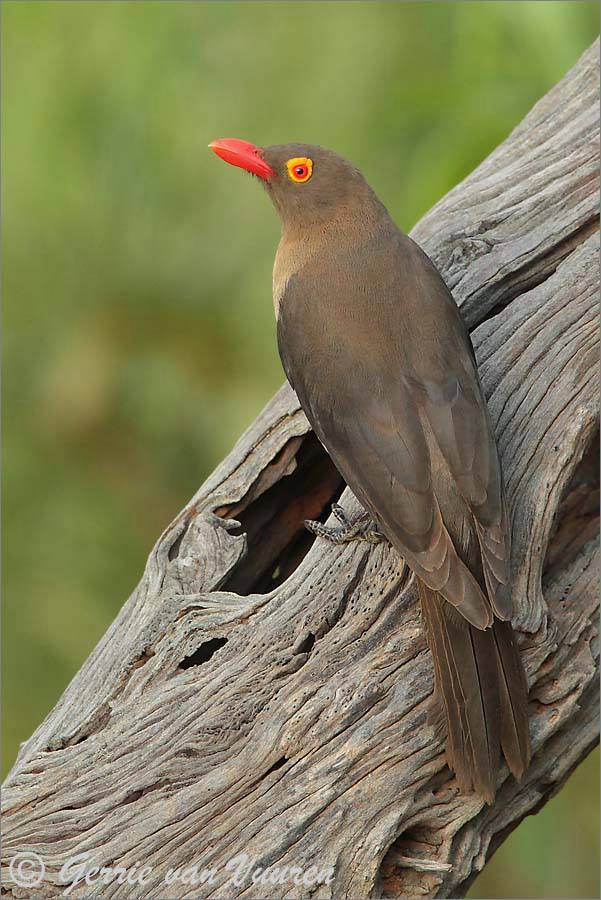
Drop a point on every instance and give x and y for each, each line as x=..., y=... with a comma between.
x=243, y=154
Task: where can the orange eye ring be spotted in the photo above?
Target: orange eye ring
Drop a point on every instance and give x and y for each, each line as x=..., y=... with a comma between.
x=300, y=169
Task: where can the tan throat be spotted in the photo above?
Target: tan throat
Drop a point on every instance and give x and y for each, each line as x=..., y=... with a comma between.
x=292, y=255
x=345, y=228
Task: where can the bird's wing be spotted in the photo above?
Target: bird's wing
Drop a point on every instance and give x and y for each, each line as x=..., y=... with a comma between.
x=457, y=414
x=381, y=450
x=444, y=382
x=440, y=369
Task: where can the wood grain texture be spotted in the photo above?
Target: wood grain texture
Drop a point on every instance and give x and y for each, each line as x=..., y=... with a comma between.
x=265, y=693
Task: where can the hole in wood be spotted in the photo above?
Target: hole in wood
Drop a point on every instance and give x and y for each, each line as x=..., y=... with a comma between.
x=307, y=644
x=277, y=765
x=143, y=658
x=175, y=546
x=277, y=540
x=577, y=519
x=203, y=653
x=410, y=866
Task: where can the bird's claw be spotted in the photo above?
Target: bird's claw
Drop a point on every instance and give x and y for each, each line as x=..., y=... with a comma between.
x=340, y=514
x=361, y=528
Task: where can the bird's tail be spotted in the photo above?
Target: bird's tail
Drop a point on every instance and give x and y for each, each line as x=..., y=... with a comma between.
x=480, y=695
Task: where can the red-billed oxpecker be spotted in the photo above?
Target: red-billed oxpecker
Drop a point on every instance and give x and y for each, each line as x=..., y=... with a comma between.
x=375, y=347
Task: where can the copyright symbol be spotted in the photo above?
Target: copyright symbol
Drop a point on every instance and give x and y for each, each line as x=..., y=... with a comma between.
x=27, y=869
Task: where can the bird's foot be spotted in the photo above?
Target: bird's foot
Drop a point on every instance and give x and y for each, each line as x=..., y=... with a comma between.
x=361, y=528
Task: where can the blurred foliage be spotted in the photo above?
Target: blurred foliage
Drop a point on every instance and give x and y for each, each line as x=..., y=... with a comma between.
x=139, y=339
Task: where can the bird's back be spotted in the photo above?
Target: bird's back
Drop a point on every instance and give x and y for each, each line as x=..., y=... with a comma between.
x=360, y=332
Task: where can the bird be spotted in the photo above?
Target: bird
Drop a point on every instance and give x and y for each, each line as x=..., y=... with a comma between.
x=375, y=347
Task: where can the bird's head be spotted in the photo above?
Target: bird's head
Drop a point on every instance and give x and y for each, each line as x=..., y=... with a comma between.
x=308, y=185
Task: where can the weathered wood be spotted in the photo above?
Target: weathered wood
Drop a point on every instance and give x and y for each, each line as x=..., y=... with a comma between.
x=265, y=693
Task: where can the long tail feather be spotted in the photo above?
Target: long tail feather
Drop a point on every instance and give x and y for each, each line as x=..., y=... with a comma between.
x=515, y=735
x=481, y=694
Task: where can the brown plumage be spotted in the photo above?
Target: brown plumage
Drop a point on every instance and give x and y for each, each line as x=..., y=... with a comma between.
x=376, y=350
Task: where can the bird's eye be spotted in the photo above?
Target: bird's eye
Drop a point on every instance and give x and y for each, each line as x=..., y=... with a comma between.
x=300, y=169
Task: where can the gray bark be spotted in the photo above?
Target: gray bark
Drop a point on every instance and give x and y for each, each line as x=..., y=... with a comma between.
x=265, y=693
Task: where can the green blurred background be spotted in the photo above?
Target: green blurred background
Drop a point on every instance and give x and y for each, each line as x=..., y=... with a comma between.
x=139, y=335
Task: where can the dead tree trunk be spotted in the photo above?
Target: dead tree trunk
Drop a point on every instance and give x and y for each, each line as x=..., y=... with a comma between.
x=263, y=693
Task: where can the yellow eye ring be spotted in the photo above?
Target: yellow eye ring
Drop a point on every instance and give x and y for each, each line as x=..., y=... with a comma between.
x=300, y=169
